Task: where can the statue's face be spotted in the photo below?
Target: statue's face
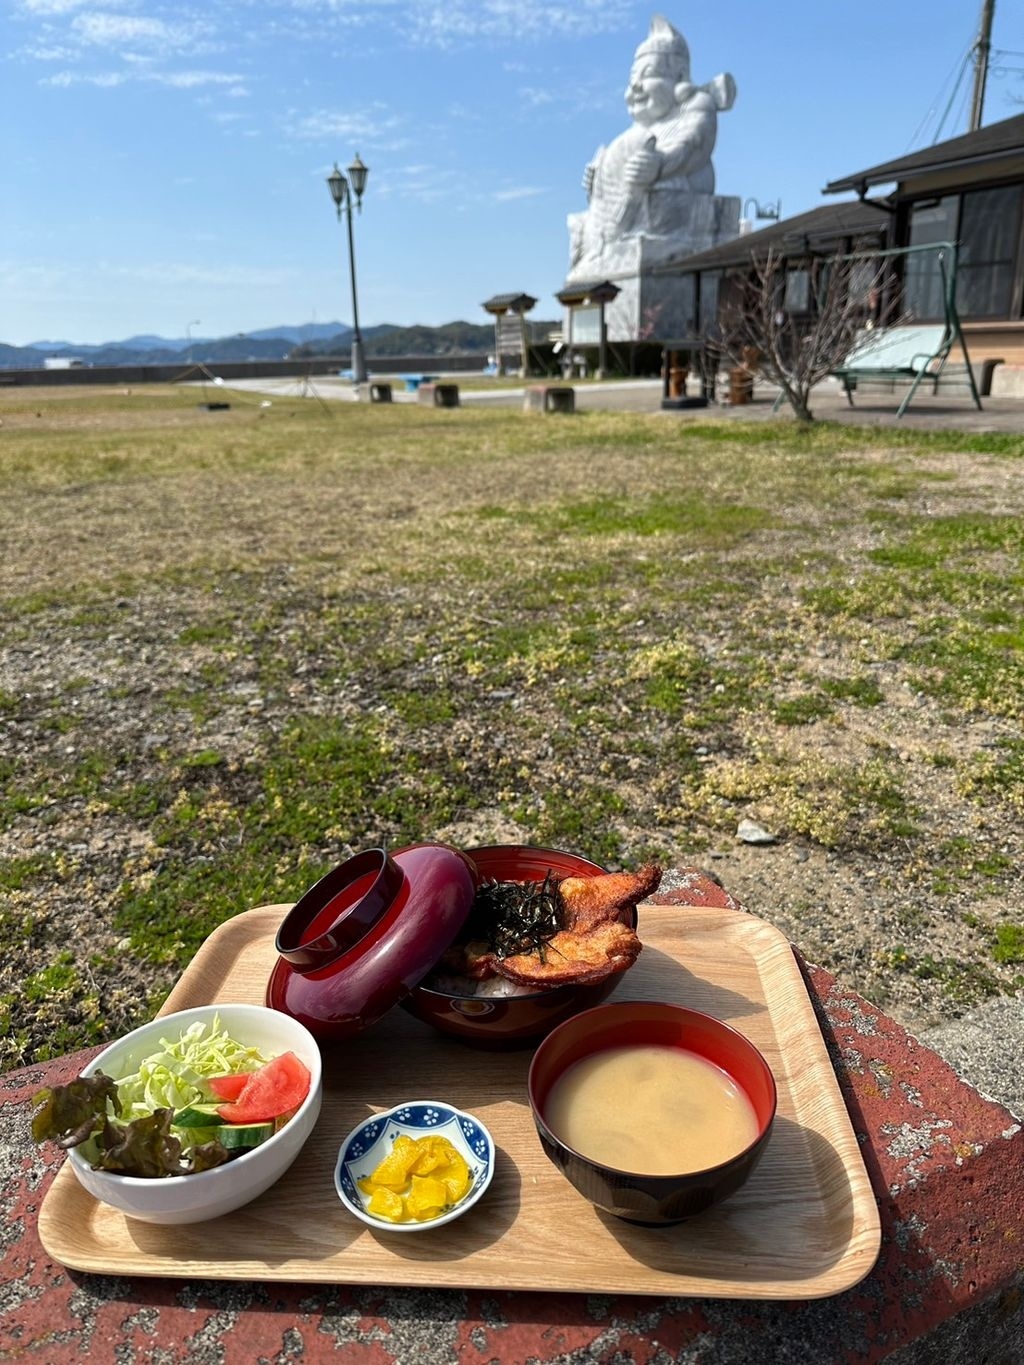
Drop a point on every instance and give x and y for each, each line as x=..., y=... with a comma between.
x=650, y=93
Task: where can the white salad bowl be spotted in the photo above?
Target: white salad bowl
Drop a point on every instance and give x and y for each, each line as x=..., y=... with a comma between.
x=208, y=1194
x=369, y=1143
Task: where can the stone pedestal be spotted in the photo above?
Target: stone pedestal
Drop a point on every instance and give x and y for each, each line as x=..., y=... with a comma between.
x=652, y=305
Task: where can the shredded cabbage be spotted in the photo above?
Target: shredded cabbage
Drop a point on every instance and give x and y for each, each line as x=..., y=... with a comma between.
x=172, y=1078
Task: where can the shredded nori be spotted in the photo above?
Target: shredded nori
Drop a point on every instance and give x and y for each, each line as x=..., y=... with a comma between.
x=516, y=917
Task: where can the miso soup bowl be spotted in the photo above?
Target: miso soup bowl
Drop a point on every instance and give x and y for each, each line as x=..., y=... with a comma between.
x=513, y=1021
x=654, y=1200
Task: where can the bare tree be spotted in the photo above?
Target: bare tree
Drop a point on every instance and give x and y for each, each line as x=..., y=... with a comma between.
x=798, y=341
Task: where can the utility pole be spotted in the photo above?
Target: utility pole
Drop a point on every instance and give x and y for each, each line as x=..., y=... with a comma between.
x=981, y=52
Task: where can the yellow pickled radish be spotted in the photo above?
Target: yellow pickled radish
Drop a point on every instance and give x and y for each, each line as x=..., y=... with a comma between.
x=455, y=1178
x=427, y=1197
x=386, y=1204
x=433, y=1152
x=418, y=1180
x=394, y=1170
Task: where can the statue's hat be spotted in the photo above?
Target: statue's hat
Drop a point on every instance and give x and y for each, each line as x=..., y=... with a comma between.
x=668, y=45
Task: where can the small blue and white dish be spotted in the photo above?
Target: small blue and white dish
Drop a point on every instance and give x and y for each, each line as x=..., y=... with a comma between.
x=368, y=1144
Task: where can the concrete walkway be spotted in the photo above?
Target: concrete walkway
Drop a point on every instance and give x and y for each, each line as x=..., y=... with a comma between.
x=877, y=408
x=950, y=410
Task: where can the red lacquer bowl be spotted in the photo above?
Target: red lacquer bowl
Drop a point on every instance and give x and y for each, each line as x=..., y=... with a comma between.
x=520, y=1020
x=652, y=1199
x=364, y=935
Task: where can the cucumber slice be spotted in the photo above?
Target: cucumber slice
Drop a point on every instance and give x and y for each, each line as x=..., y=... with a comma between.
x=236, y=1136
x=199, y=1116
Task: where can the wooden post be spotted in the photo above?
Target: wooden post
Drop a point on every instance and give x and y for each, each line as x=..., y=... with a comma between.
x=982, y=48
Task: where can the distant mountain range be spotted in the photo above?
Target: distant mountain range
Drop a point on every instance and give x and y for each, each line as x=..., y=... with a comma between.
x=269, y=343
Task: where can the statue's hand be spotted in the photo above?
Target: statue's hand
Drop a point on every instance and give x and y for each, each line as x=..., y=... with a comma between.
x=643, y=167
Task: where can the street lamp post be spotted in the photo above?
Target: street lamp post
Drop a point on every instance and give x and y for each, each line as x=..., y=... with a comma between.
x=342, y=190
x=773, y=212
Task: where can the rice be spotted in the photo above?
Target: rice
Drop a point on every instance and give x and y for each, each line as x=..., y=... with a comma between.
x=495, y=986
x=499, y=986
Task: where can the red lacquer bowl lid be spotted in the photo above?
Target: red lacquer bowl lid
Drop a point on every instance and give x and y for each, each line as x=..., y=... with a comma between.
x=359, y=940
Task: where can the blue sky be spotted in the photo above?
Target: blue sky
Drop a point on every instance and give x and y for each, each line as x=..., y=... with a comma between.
x=164, y=164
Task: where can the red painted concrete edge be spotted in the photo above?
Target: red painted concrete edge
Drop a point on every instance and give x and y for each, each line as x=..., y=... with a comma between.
x=947, y=1165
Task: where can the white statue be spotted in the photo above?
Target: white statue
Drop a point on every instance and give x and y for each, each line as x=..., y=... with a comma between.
x=640, y=183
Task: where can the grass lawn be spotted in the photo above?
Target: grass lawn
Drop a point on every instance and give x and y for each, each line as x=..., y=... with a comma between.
x=238, y=646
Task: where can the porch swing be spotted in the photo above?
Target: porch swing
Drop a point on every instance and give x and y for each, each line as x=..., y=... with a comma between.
x=912, y=352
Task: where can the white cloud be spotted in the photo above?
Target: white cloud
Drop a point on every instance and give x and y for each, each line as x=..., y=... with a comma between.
x=433, y=23
x=520, y=192
x=105, y=80
x=52, y=7
x=190, y=80
x=371, y=128
x=54, y=53
x=536, y=97
x=173, y=80
x=100, y=29
x=448, y=23
x=426, y=184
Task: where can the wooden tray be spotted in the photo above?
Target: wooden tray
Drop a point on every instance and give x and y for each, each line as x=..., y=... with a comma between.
x=805, y=1226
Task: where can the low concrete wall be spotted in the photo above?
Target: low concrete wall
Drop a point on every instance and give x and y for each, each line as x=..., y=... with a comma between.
x=240, y=369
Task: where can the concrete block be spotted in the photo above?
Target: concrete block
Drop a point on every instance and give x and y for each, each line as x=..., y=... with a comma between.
x=549, y=398
x=1007, y=381
x=438, y=395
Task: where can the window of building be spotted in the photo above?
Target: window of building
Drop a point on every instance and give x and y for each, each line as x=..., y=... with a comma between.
x=990, y=230
x=798, y=291
x=709, y=290
x=987, y=226
x=934, y=220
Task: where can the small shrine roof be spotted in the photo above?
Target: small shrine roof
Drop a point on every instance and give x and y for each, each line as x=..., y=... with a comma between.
x=510, y=303
x=590, y=291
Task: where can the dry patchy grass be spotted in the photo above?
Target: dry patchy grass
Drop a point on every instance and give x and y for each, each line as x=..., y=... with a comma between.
x=239, y=645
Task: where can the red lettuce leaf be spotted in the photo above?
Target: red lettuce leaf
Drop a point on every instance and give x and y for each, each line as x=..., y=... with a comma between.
x=68, y=1114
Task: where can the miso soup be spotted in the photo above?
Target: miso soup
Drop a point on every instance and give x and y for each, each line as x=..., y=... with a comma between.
x=652, y=1109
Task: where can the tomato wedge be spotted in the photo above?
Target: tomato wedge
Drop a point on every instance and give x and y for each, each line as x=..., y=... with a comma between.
x=275, y=1089
x=227, y=1087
